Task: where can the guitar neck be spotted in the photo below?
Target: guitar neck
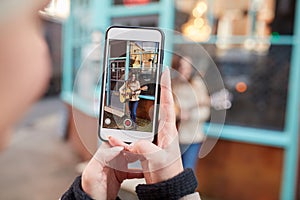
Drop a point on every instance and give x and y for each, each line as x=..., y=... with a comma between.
x=137, y=90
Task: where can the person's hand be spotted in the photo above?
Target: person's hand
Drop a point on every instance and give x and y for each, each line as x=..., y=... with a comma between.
x=162, y=161
x=221, y=100
x=101, y=179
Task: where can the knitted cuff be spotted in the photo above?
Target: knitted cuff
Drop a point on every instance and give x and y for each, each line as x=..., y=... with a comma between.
x=76, y=192
x=179, y=186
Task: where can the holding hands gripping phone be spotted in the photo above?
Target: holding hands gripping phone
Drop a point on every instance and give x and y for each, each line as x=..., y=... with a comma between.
x=123, y=84
x=132, y=65
x=161, y=164
x=130, y=86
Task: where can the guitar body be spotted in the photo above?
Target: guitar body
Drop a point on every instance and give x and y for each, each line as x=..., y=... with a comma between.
x=128, y=93
x=126, y=96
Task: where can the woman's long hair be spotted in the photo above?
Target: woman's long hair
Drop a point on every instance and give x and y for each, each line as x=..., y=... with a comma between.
x=129, y=80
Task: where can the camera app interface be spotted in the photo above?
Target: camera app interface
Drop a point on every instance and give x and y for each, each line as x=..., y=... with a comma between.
x=130, y=85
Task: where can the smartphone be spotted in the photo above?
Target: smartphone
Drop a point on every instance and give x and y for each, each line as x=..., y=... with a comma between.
x=130, y=94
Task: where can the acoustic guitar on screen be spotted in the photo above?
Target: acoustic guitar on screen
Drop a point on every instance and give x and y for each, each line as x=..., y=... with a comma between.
x=129, y=93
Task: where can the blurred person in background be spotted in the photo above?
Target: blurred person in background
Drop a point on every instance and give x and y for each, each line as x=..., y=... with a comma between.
x=24, y=76
x=192, y=105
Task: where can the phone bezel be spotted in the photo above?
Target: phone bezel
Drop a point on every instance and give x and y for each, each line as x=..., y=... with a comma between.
x=127, y=33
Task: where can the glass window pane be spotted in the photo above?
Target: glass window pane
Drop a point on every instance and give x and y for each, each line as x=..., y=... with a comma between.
x=258, y=83
x=283, y=22
x=200, y=19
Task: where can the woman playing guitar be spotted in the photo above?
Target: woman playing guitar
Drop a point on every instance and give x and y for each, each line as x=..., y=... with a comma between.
x=131, y=90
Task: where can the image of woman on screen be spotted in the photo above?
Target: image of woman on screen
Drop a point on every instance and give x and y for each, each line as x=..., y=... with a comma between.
x=131, y=90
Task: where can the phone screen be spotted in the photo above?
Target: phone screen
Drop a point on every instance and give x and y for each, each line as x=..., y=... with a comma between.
x=130, y=90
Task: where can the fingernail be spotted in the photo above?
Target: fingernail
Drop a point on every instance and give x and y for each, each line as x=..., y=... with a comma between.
x=130, y=146
x=109, y=137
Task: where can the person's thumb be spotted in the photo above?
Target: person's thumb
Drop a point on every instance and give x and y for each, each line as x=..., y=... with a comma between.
x=144, y=148
x=152, y=157
x=105, y=155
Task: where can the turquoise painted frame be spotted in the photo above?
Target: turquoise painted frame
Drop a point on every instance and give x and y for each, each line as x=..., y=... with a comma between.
x=290, y=168
x=286, y=139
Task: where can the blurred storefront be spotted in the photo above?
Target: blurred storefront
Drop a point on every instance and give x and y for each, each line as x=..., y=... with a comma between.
x=254, y=45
